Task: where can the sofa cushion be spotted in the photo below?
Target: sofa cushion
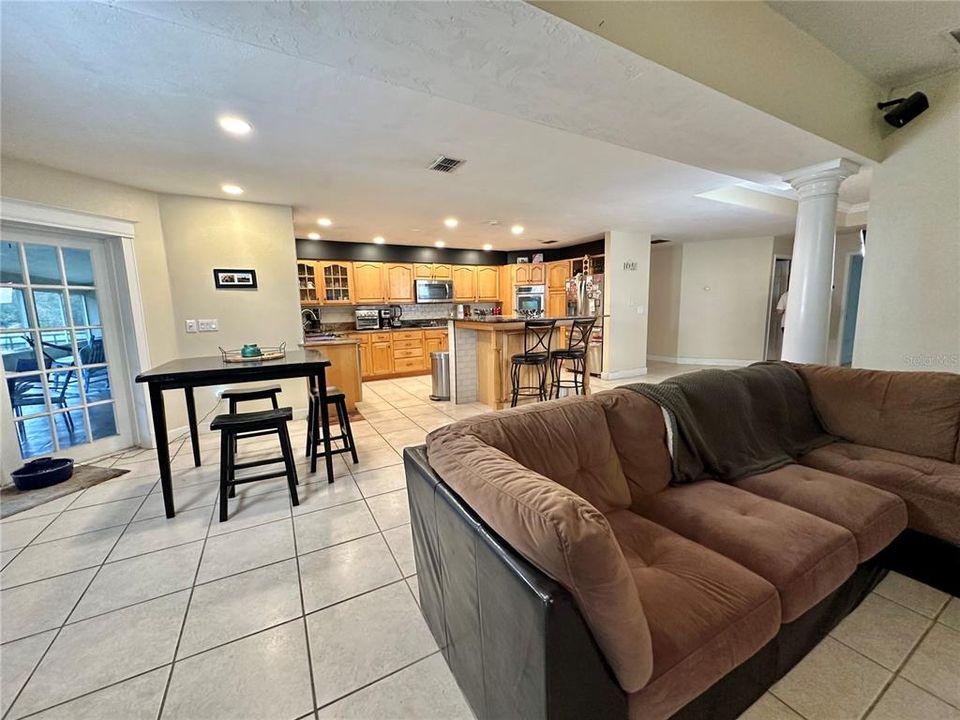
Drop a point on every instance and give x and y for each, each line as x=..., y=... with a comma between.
x=803, y=556
x=706, y=613
x=639, y=434
x=874, y=516
x=563, y=535
x=566, y=441
x=910, y=412
x=930, y=488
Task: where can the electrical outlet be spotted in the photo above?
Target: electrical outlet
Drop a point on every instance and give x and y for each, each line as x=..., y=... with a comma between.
x=191, y=326
x=207, y=325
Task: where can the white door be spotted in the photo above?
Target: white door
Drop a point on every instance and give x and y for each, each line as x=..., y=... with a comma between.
x=65, y=376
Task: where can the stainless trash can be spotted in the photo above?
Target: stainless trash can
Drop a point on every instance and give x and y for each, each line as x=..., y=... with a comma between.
x=440, y=373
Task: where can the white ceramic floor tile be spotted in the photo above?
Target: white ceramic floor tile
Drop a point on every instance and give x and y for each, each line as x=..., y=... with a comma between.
x=134, y=699
x=375, y=459
x=414, y=586
x=342, y=571
x=390, y=510
x=158, y=533
x=135, y=579
x=239, y=605
x=951, y=614
x=769, y=707
x=262, y=676
x=19, y=660
x=87, y=519
x=189, y=497
x=48, y=508
x=244, y=512
x=97, y=652
x=935, y=664
x=321, y=494
x=375, y=482
x=400, y=541
x=41, y=605
x=425, y=690
x=246, y=549
x=912, y=594
x=119, y=488
x=334, y=525
x=358, y=641
x=19, y=533
x=903, y=700
x=882, y=630
x=58, y=557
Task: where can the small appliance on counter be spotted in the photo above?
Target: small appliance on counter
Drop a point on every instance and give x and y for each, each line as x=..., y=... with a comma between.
x=385, y=317
x=461, y=311
x=367, y=319
x=396, y=312
x=310, y=318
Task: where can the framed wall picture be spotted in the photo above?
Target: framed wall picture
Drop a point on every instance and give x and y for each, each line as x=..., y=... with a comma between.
x=231, y=279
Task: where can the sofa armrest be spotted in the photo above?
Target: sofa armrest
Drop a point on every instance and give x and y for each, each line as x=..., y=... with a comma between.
x=512, y=636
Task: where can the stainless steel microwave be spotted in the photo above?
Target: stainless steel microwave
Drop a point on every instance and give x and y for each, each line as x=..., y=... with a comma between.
x=434, y=291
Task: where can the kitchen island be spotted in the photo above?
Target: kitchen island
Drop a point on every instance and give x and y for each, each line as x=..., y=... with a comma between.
x=344, y=370
x=480, y=352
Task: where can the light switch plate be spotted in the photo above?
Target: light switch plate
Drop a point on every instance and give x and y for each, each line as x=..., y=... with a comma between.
x=209, y=325
x=191, y=326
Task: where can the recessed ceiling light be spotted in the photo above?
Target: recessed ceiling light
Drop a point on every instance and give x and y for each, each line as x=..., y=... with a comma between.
x=488, y=247
x=234, y=125
x=378, y=240
x=324, y=222
x=414, y=229
x=313, y=236
x=439, y=243
x=517, y=229
x=451, y=222
x=232, y=189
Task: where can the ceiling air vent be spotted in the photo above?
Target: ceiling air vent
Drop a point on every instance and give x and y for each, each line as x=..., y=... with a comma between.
x=547, y=242
x=445, y=164
x=658, y=241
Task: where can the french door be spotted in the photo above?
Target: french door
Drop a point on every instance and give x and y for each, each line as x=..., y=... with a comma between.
x=60, y=338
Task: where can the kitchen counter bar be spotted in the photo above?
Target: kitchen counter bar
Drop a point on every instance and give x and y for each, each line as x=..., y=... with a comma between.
x=344, y=370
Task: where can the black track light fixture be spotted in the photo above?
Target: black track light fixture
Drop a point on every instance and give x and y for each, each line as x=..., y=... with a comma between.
x=904, y=109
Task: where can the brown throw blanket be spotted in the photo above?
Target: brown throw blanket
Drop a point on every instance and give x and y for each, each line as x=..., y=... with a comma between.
x=728, y=424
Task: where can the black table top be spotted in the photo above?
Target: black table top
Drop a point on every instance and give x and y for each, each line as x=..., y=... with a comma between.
x=213, y=370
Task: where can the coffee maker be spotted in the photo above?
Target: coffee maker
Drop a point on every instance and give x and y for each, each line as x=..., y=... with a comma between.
x=396, y=312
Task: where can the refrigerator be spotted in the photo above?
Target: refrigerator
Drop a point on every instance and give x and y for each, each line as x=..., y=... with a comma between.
x=585, y=297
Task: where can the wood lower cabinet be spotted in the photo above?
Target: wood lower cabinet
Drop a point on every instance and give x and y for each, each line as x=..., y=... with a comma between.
x=381, y=358
x=368, y=282
x=398, y=352
x=398, y=282
x=434, y=341
x=464, y=283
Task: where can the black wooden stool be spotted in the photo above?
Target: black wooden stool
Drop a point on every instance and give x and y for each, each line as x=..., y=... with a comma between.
x=262, y=422
x=338, y=399
x=537, y=336
x=576, y=354
x=237, y=395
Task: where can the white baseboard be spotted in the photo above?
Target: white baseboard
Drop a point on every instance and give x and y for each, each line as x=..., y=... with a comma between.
x=714, y=361
x=662, y=358
x=620, y=374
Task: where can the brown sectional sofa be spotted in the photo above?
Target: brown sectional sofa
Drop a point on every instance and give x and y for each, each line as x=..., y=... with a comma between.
x=696, y=597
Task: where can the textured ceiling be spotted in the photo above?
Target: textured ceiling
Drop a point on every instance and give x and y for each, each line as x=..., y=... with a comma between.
x=562, y=132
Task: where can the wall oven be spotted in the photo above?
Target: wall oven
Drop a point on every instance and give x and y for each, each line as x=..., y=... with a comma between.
x=433, y=291
x=530, y=298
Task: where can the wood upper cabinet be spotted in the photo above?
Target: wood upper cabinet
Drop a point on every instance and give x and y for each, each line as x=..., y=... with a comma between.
x=398, y=279
x=529, y=274
x=464, y=283
x=309, y=282
x=488, y=283
x=557, y=274
x=432, y=271
x=368, y=283
x=337, y=280
x=556, y=303
x=442, y=271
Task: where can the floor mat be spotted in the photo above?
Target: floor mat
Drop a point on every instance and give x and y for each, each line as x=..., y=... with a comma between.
x=13, y=501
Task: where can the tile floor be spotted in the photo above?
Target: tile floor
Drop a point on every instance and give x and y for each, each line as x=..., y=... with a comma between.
x=108, y=610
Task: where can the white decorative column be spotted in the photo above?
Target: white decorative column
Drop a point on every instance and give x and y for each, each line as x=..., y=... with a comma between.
x=807, y=324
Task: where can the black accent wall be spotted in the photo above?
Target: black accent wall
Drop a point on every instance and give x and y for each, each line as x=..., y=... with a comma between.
x=569, y=252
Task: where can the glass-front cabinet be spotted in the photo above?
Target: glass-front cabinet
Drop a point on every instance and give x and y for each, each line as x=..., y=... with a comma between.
x=337, y=279
x=307, y=277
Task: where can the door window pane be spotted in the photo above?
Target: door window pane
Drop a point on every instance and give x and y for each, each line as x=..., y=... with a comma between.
x=50, y=308
x=26, y=394
x=103, y=422
x=64, y=389
x=96, y=384
x=43, y=265
x=71, y=428
x=16, y=347
x=13, y=309
x=10, y=270
x=35, y=437
x=90, y=344
x=58, y=348
x=78, y=266
x=83, y=304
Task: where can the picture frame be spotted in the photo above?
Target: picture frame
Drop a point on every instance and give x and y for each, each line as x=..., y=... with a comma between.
x=234, y=279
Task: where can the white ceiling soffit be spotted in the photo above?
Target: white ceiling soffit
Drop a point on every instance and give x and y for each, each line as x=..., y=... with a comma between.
x=892, y=43
x=516, y=59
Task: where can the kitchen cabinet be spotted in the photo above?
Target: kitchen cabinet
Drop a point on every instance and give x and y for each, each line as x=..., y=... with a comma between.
x=442, y=271
x=381, y=357
x=337, y=282
x=307, y=279
x=556, y=303
x=529, y=274
x=557, y=274
x=432, y=271
x=464, y=283
x=488, y=283
x=363, y=344
x=433, y=341
x=398, y=280
x=368, y=283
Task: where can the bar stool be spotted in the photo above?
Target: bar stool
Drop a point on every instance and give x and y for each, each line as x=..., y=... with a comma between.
x=576, y=353
x=537, y=336
x=235, y=396
x=338, y=399
x=262, y=422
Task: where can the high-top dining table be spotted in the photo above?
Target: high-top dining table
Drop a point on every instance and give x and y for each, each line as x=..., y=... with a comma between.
x=189, y=373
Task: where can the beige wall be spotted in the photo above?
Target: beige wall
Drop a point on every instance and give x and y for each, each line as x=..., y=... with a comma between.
x=725, y=287
x=626, y=291
x=909, y=314
x=666, y=263
x=745, y=50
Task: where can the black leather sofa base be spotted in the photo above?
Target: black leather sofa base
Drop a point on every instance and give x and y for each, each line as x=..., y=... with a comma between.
x=925, y=558
x=519, y=648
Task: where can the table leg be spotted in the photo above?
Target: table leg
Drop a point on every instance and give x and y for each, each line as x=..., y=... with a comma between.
x=192, y=422
x=163, y=448
x=325, y=423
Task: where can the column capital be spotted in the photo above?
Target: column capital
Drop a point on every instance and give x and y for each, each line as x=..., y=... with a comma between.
x=823, y=178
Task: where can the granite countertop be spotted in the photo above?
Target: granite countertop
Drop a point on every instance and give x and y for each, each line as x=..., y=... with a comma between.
x=493, y=319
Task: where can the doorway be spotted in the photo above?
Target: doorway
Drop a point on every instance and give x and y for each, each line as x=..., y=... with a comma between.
x=778, y=286
x=65, y=375
x=851, y=304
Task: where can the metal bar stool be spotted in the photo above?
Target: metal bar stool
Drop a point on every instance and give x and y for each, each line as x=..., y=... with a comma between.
x=537, y=336
x=237, y=395
x=338, y=399
x=262, y=422
x=576, y=353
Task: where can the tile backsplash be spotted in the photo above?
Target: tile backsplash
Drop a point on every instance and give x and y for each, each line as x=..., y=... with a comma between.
x=426, y=311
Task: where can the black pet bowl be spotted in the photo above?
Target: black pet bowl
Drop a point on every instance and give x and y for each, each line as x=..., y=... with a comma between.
x=42, y=472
